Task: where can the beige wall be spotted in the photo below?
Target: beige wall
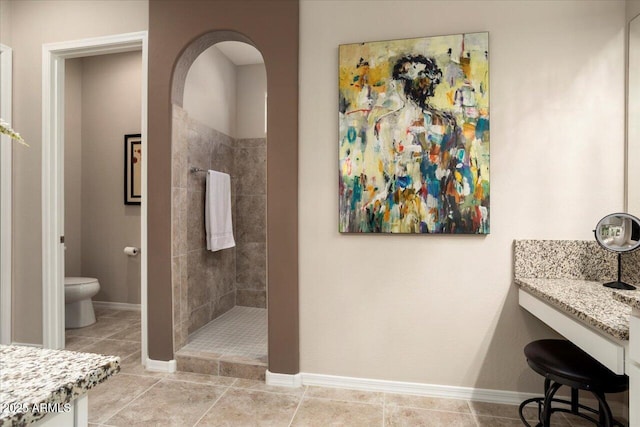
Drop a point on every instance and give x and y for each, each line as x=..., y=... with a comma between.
x=210, y=91
x=5, y=22
x=55, y=21
x=252, y=87
x=443, y=309
x=102, y=104
x=73, y=167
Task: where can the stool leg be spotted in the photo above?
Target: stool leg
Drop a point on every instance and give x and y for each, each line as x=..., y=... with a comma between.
x=605, y=411
x=574, y=401
x=546, y=409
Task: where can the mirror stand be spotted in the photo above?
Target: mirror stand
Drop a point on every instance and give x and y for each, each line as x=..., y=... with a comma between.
x=619, y=284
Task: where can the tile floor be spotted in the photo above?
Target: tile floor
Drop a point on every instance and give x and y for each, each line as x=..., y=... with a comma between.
x=241, y=331
x=139, y=397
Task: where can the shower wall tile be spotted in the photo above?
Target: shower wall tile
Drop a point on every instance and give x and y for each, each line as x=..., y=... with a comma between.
x=251, y=261
x=180, y=124
x=178, y=225
x=223, y=304
x=199, y=153
x=176, y=287
x=223, y=269
x=251, y=167
x=251, y=219
x=222, y=149
x=198, y=278
x=184, y=290
x=180, y=336
x=251, y=298
x=199, y=317
x=196, y=235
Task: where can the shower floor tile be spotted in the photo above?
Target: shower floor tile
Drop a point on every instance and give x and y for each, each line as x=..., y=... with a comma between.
x=241, y=331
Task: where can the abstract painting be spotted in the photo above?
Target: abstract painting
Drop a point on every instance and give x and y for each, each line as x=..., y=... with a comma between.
x=414, y=136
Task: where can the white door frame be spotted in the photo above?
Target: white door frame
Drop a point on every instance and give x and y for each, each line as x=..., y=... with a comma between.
x=5, y=197
x=53, y=58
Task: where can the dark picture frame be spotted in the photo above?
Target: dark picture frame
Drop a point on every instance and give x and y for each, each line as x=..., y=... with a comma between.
x=133, y=169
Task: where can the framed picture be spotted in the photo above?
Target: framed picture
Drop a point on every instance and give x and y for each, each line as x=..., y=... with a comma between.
x=414, y=136
x=132, y=169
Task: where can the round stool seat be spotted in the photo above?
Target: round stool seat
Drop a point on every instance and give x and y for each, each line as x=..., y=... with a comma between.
x=563, y=362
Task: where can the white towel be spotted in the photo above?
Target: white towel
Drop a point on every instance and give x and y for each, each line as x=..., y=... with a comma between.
x=217, y=212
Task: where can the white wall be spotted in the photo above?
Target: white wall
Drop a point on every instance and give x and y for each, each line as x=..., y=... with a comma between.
x=210, y=91
x=32, y=24
x=98, y=225
x=443, y=309
x=252, y=88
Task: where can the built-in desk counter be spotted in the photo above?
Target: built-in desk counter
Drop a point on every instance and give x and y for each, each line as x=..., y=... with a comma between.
x=49, y=386
x=560, y=282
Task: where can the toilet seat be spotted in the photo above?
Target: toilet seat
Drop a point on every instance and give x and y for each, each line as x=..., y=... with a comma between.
x=72, y=281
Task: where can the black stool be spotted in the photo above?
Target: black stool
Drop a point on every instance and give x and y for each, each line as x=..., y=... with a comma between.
x=560, y=362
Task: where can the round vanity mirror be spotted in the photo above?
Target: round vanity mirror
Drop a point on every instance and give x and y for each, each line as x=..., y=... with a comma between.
x=618, y=232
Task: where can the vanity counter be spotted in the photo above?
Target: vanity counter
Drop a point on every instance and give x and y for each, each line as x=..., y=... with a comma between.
x=588, y=301
x=631, y=298
x=35, y=381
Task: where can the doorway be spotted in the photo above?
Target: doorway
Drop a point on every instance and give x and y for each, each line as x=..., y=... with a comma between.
x=54, y=57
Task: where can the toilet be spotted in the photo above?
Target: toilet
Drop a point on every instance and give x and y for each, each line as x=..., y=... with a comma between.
x=78, y=309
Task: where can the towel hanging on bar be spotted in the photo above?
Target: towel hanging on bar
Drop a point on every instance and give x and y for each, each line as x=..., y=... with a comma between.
x=217, y=211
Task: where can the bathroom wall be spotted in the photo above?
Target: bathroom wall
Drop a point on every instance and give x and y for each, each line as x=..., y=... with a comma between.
x=250, y=158
x=55, y=21
x=444, y=309
x=103, y=95
x=73, y=167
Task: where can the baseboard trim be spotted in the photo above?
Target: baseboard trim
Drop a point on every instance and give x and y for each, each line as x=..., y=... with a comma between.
x=116, y=305
x=283, y=380
x=420, y=389
x=161, y=365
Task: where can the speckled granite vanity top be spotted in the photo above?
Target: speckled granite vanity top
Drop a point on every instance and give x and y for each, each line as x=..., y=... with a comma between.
x=628, y=297
x=588, y=301
x=30, y=377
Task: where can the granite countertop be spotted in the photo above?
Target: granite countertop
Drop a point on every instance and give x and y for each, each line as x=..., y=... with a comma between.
x=631, y=298
x=588, y=301
x=31, y=377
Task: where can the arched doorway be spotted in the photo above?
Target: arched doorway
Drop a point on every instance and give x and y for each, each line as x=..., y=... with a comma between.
x=219, y=124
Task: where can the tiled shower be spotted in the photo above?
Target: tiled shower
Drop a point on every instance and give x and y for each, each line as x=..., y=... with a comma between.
x=207, y=285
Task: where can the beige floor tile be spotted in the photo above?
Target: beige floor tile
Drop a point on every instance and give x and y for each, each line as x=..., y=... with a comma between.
x=484, y=421
x=323, y=412
x=424, y=402
x=168, y=403
x=131, y=333
x=113, y=348
x=414, y=417
x=345, y=395
x=241, y=407
x=503, y=411
x=261, y=386
x=102, y=328
x=76, y=343
x=109, y=397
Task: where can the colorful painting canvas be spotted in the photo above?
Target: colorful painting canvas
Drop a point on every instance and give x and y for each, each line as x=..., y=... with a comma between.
x=414, y=136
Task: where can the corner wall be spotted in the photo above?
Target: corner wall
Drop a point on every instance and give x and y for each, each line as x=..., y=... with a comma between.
x=443, y=309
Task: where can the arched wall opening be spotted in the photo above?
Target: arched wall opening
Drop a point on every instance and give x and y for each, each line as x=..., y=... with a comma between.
x=175, y=31
x=220, y=126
